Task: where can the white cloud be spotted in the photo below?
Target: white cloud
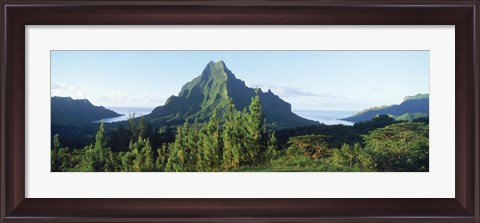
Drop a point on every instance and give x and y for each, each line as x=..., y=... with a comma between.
x=301, y=99
x=64, y=90
x=127, y=97
x=294, y=92
x=288, y=92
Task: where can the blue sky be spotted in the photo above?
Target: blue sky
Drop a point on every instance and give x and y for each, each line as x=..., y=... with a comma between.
x=309, y=80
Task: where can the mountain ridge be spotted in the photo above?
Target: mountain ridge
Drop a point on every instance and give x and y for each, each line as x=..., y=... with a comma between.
x=69, y=110
x=411, y=107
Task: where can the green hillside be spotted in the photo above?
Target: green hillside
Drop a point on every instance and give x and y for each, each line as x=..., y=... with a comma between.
x=412, y=107
x=66, y=110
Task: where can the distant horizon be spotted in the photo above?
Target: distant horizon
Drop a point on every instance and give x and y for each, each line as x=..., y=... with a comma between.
x=308, y=114
x=138, y=107
x=308, y=80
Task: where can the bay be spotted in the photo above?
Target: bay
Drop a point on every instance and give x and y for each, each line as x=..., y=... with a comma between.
x=125, y=112
x=326, y=117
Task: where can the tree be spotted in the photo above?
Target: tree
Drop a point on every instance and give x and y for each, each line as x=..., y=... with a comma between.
x=127, y=159
x=95, y=157
x=192, y=145
x=100, y=150
x=149, y=164
x=100, y=141
x=255, y=131
x=272, y=147
x=61, y=158
x=364, y=160
x=133, y=126
x=54, y=162
x=115, y=161
x=202, y=164
x=313, y=146
x=345, y=156
x=162, y=158
x=212, y=148
x=183, y=154
x=176, y=159
x=109, y=162
x=138, y=161
x=143, y=155
x=241, y=133
x=230, y=138
x=88, y=163
x=187, y=148
x=119, y=139
x=351, y=159
x=142, y=128
x=399, y=147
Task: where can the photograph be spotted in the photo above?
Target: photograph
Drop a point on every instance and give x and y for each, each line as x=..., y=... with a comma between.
x=239, y=110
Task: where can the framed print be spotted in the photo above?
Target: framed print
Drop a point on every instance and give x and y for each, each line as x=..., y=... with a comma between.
x=308, y=111
x=202, y=146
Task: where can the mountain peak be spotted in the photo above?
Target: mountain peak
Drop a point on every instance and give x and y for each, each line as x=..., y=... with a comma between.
x=217, y=69
x=212, y=91
x=218, y=63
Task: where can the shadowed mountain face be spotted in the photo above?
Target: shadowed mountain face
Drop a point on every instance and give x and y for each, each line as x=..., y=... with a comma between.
x=66, y=110
x=211, y=90
x=411, y=108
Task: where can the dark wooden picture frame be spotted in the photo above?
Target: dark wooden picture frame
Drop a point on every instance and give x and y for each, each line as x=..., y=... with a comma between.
x=463, y=14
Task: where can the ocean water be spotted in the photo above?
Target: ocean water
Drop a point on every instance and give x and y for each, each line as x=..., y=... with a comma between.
x=326, y=117
x=125, y=111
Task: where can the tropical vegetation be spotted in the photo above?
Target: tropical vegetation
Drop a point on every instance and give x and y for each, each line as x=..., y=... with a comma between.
x=241, y=141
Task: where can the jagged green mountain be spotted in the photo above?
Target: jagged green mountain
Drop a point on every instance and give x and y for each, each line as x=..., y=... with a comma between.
x=212, y=90
x=411, y=108
x=65, y=110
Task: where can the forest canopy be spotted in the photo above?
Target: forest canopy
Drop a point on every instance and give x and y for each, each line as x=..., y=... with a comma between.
x=242, y=141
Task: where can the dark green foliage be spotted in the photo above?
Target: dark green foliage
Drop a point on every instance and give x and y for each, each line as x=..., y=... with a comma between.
x=336, y=135
x=75, y=136
x=119, y=138
x=142, y=128
x=133, y=125
x=399, y=147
